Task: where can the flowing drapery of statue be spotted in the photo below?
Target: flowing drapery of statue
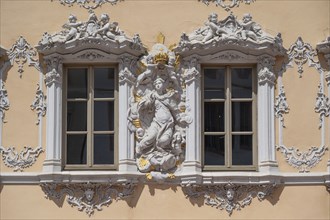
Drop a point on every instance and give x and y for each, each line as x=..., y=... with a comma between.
x=157, y=115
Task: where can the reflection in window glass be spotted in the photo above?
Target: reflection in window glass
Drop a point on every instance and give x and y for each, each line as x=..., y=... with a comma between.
x=77, y=116
x=241, y=82
x=103, y=116
x=104, y=82
x=214, y=83
x=77, y=83
x=214, y=116
x=103, y=149
x=214, y=150
x=242, y=150
x=242, y=116
x=76, y=149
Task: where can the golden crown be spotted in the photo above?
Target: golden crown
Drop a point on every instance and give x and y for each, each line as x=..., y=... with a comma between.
x=161, y=57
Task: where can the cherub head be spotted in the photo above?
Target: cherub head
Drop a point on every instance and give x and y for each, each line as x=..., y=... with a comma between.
x=72, y=18
x=247, y=18
x=104, y=18
x=213, y=17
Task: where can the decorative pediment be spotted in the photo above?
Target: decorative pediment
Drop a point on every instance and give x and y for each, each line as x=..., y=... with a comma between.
x=230, y=33
x=95, y=33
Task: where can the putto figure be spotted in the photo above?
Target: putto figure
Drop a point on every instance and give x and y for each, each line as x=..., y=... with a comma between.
x=155, y=116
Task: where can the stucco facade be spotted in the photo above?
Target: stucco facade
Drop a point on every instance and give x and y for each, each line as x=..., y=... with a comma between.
x=296, y=191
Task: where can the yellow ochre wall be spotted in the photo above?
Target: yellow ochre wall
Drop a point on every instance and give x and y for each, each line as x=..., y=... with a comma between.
x=308, y=19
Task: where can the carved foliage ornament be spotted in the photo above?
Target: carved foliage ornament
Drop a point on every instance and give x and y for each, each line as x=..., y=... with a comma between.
x=227, y=6
x=281, y=106
x=127, y=65
x=4, y=101
x=54, y=68
x=88, y=197
x=155, y=115
x=266, y=70
x=231, y=31
x=322, y=105
x=22, y=52
x=228, y=196
x=19, y=161
x=94, y=30
x=39, y=104
x=88, y=4
x=300, y=53
x=302, y=161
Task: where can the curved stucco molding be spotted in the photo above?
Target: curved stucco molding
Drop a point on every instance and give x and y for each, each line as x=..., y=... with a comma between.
x=228, y=196
x=303, y=161
x=88, y=197
x=87, y=4
x=20, y=160
x=227, y=6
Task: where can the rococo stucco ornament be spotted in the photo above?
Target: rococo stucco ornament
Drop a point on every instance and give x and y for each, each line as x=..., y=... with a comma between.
x=266, y=70
x=4, y=101
x=302, y=161
x=230, y=31
x=157, y=115
x=228, y=6
x=95, y=30
x=322, y=105
x=88, y=196
x=281, y=106
x=39, y=104
x=300, y=53
x=22, y=52
x=88, y=4
x=19, y=161
x=228, y=196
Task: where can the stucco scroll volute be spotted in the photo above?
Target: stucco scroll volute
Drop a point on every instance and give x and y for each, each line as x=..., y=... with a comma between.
x=4, y=101
x=88, y=196
x=229, y=196
x=266, y=70
x=157, y=115
x=20, y=160
x=87, y=4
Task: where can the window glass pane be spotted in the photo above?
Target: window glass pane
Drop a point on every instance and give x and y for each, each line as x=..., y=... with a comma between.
x=103, y=149
x=77, y=116
x=104, y=82
x=214, y=83
x=214, y=116
x=77, y=83
x=241, y=83
x=76, y=149
x=241, y=116
x=242, y=150
x=103, y=116
x=214, y=150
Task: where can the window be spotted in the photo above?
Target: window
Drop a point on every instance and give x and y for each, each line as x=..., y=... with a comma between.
x=90, y=127
x=229, y=135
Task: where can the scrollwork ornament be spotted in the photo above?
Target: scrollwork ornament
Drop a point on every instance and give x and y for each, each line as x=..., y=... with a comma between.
x=126, y=65
x=266, y=70
x=228, y=196
x=192, y=71
x=39, y=104
x=88, y=196
x=322, y=105
x=54, y=67
x=88, y=4
x=302, y=161
x=22, y=52
x=300, y=53
x=281, y=106
x=227, y=7
x=19, y=161
x=4, y=101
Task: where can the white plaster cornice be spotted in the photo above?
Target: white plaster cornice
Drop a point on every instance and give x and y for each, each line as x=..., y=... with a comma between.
x=285, y=178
